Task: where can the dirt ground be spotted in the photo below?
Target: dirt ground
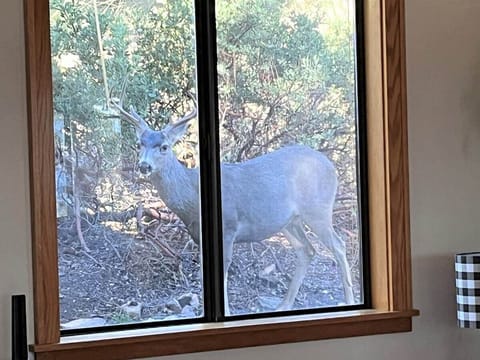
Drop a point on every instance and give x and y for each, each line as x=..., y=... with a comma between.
x=154, y=268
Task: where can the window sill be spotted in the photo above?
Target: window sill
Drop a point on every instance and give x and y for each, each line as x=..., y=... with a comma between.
x=206, y=337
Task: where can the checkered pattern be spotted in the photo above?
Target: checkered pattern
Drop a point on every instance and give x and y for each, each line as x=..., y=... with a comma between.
x=467, y=272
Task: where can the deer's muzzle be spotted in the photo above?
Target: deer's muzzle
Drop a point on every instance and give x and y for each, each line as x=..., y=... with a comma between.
x=144, y=168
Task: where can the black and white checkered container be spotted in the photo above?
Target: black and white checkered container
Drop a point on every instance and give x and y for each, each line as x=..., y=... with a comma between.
x=467, y=273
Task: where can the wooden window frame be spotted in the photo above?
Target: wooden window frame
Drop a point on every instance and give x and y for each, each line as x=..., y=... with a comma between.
x=390, y=262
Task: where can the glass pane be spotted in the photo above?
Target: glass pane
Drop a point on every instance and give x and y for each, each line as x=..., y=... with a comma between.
x=127, y=193
x=288, y=127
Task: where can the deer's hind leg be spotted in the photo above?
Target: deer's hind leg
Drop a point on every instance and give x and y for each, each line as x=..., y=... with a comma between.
x=305, y=252
x=227, y=260
x=336, y=246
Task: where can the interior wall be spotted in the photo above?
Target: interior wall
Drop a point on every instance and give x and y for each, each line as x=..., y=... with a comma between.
x=15, y=258
x=443, y=55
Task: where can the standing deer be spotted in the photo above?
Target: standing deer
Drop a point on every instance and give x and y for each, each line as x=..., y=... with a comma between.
x=282, y=191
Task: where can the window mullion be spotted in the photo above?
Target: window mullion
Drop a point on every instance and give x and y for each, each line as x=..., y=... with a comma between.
x=209, y=159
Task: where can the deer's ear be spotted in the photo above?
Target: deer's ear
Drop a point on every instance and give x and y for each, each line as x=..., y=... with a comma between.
x=176, y=131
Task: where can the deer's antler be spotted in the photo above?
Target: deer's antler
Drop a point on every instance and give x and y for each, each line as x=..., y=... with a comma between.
x=131, y=116
x=189, y=116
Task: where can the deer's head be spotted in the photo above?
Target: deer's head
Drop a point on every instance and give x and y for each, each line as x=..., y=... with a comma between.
x=155, y=147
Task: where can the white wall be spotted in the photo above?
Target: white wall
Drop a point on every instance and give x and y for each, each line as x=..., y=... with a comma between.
x=15, y=259
x=443, y=47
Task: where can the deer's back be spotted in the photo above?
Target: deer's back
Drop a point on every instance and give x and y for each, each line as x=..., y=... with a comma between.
x=262, y=195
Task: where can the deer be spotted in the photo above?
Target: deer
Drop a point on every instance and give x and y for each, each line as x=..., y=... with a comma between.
x=284, y=191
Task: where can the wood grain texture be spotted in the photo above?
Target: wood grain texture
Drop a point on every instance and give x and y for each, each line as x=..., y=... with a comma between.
x=42, y=177
x=228, y=338
x=388, y=200
x=388, y=155
x=397, y=150
x=377, y=157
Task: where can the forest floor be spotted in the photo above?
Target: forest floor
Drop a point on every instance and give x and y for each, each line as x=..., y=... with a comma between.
x=151, y=275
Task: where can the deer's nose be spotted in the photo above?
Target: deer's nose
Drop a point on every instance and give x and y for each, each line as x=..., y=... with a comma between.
x=144, y=168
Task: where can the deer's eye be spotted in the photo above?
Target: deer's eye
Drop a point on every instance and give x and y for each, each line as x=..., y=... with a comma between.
x=138, y=146
x=164, y=147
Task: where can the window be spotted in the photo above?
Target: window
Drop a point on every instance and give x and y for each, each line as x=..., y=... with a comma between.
x=255, y=90
x=129, y=223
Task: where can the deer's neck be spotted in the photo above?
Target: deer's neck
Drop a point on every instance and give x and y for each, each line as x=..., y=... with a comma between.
x=177, y=186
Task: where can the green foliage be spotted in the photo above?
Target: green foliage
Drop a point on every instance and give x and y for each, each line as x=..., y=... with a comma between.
x=285, y=73
x=282, y=79
x=120, y=317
